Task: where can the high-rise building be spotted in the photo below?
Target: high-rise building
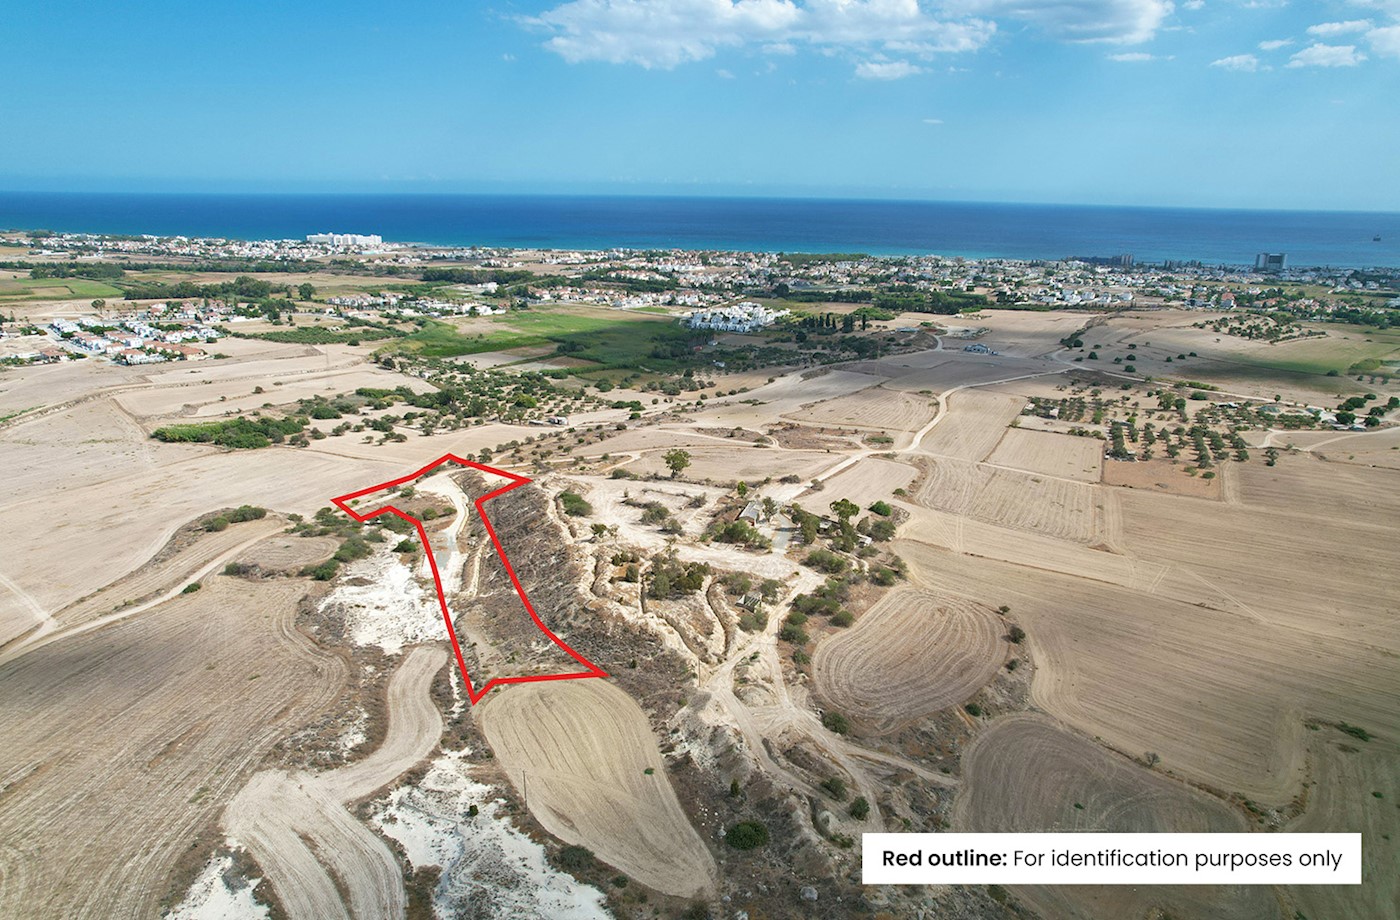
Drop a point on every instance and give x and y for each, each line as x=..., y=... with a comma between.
x=1271, y=261
x=345, y=240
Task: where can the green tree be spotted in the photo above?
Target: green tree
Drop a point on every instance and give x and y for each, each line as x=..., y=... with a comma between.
x=306, y=290
x=845, y=509
x=677, y=460
x=746, y=835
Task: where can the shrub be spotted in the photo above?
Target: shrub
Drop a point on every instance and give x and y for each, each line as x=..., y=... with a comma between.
x=237, y=568
x=1016, y=634
x=827, y=561
x=747, y=835
x=323, y=572
x=247, y=513
x=574, y=504
x=753, y=621
x=860, y=808
x=576, y=858
x=842, y=618
x=216, y=524
x=835, y=786
x=743, y=533
x=352, y=549
x=794, y=634
x=973, y=710
x=1355, y=731
x=882, y=508
x=882, y=576
x=191, y=588
x=835, y=722
x=406, y=546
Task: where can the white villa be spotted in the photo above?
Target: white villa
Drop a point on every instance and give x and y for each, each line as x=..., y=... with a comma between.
x=741, y=317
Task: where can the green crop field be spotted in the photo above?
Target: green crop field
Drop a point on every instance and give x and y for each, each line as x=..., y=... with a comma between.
x=54, y=289
x=606, y=338
x=1343, y=346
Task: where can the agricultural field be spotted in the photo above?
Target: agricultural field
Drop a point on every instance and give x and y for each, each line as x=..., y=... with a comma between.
x=581, y=754
x=910, y=655
x=1064, y=456
x=973, y=425
x=123, y=745
x=17, y=289
x=865, y=482
x=1041, y=504
x=893, y=585
x=874, y=408
x=1068, y=783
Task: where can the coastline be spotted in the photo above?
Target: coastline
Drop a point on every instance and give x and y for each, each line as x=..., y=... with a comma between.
x=1338, y=239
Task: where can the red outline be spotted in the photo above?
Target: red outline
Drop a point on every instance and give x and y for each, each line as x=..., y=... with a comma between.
x=473, y=694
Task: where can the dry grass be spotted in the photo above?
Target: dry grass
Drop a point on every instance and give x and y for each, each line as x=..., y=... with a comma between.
x=728, y=464
x=876, y=407
x=1025, y=774
x=122, y=745
x=1062, y=455
x=1044, y=505
x=583, y=757
x=909, y=656
x=974, y=423
x=868, y=480
x=289, y=554
x=1164, y=477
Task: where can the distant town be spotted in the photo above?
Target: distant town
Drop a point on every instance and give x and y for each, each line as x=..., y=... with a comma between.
x=718, y=291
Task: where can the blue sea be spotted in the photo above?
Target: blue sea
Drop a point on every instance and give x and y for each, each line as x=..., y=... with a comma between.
x=1019, y=231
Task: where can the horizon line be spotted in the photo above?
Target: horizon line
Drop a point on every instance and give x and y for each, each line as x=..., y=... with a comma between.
x=851, y=198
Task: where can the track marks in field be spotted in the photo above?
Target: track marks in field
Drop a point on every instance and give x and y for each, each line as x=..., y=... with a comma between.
x=911, y=655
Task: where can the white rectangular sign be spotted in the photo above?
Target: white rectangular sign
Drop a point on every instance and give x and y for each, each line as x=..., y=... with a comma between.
x=1111, y=859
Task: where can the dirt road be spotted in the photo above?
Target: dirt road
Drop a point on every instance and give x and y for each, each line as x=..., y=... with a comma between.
x=312, y=848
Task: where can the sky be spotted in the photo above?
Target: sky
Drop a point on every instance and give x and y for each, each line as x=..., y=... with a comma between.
x=1209, y=103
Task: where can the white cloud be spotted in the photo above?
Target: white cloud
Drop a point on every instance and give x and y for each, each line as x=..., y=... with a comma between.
x=1193, y=5
x=1119, y=21
x=1319, y=55
x=886, y=70
x=933, y=121
x=1385, y=41
x=1389, y=6
x=1132, y=57
x=667, y=33
x=724, y=74
x=1246, y=63
x=1275, y=44
x=1327, y=29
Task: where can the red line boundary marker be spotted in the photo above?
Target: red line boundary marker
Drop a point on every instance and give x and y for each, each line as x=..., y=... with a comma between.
x=343, y=503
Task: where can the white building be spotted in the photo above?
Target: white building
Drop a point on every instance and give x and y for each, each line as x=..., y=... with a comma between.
x=345, y=240
x=742, y=317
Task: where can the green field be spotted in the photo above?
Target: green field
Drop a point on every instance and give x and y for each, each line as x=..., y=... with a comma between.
x=1343, y=346
x=607, y=338
x=55, y=289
